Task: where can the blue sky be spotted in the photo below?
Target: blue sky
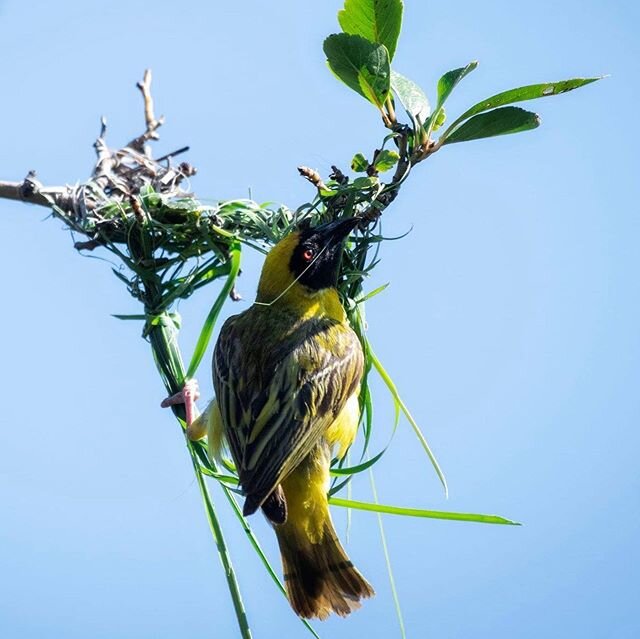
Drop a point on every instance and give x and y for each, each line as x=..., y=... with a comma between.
x=510, y=325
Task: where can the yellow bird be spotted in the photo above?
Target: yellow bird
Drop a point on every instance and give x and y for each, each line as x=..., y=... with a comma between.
x=286, y=374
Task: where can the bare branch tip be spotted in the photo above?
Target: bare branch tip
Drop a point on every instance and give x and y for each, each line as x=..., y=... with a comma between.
x=313, y=176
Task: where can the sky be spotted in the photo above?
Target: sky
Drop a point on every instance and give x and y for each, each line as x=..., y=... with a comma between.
x=510, y=324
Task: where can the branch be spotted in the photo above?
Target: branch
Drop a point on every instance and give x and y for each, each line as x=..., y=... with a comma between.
x=152, y=123
x=31, y=191
x=312, y=176
x=389, y=193
x=118, y=177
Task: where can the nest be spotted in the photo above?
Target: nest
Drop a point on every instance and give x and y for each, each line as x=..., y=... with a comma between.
x=141, y=209
x=144, y=202
x=169, y=242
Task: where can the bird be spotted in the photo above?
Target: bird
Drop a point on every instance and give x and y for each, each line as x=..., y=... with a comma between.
x=286, y=375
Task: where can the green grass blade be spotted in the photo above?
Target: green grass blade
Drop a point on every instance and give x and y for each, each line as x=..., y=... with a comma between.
x=356, y=320
x=419, y=512
x=224, y=479
x=207, y=329
x=337, y=471
x=353, y=470
x=349, y=496
x=366, y=412
x=229, y=465
x=129, y=317
x=223, y=552
x=368, y=296
x=164, y=343
x=416, y=429
x=336, y=488
x=200, y=449
x=387, y=558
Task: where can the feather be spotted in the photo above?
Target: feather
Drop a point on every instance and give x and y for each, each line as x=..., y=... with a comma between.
x=281, y=381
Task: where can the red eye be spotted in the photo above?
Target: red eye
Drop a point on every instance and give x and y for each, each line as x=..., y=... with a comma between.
x=307, y=256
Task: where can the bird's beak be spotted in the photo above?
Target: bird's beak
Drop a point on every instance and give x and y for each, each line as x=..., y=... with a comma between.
x=336, y=231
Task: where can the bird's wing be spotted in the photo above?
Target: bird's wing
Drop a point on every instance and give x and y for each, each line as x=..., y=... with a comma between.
x=276, y=407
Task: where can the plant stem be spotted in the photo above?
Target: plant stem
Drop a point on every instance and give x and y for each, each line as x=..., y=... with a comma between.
x=387, y=558
x=163, y=337
x=223, y=552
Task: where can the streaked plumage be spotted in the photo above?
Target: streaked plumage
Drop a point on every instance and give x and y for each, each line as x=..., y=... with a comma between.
x=280, y=382
x=286, y=375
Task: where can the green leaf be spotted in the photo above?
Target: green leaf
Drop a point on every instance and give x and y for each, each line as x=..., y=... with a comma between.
x=386, y=160
x=440, y=119
x=359, y=164
x=418, y=512
x=448, y=82
x=500, y=121
x=207, y=329
x=364, y=182
x=412, y=98
x=361, y=65
x=520, y=94
x=378, y=21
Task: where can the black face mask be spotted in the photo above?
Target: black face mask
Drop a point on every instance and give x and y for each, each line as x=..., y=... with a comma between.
x=315, y=261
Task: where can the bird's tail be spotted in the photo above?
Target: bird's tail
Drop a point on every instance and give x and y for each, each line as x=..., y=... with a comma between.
x=319, y=576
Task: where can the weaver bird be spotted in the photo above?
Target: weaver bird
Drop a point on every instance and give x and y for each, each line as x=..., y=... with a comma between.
x=286, y=374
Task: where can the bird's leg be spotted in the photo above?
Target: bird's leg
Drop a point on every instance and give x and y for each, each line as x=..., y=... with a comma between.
x=187, y=396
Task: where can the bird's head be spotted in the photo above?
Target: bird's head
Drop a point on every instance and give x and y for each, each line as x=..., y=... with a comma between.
x=304, y=263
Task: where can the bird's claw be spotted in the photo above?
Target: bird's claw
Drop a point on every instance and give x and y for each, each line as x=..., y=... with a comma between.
x=188, y=396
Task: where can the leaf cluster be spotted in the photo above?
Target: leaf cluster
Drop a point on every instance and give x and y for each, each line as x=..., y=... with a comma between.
x=361, y=58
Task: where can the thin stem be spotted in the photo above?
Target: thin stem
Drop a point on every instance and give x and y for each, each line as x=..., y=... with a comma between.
x=390, y=110
x=163, y=336
x=387, y=558
x=223, y=552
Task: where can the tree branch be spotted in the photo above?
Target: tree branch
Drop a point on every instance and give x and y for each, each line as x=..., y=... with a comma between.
x=31, y=191
x=150, y=119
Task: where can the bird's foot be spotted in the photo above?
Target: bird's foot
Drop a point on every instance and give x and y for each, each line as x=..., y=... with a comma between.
x=187, y=396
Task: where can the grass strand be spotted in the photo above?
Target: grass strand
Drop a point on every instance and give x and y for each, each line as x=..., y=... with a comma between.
x=419, y=512
x=223, y=553
x=207, y=328
x=387, y=559
x=416, y=429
